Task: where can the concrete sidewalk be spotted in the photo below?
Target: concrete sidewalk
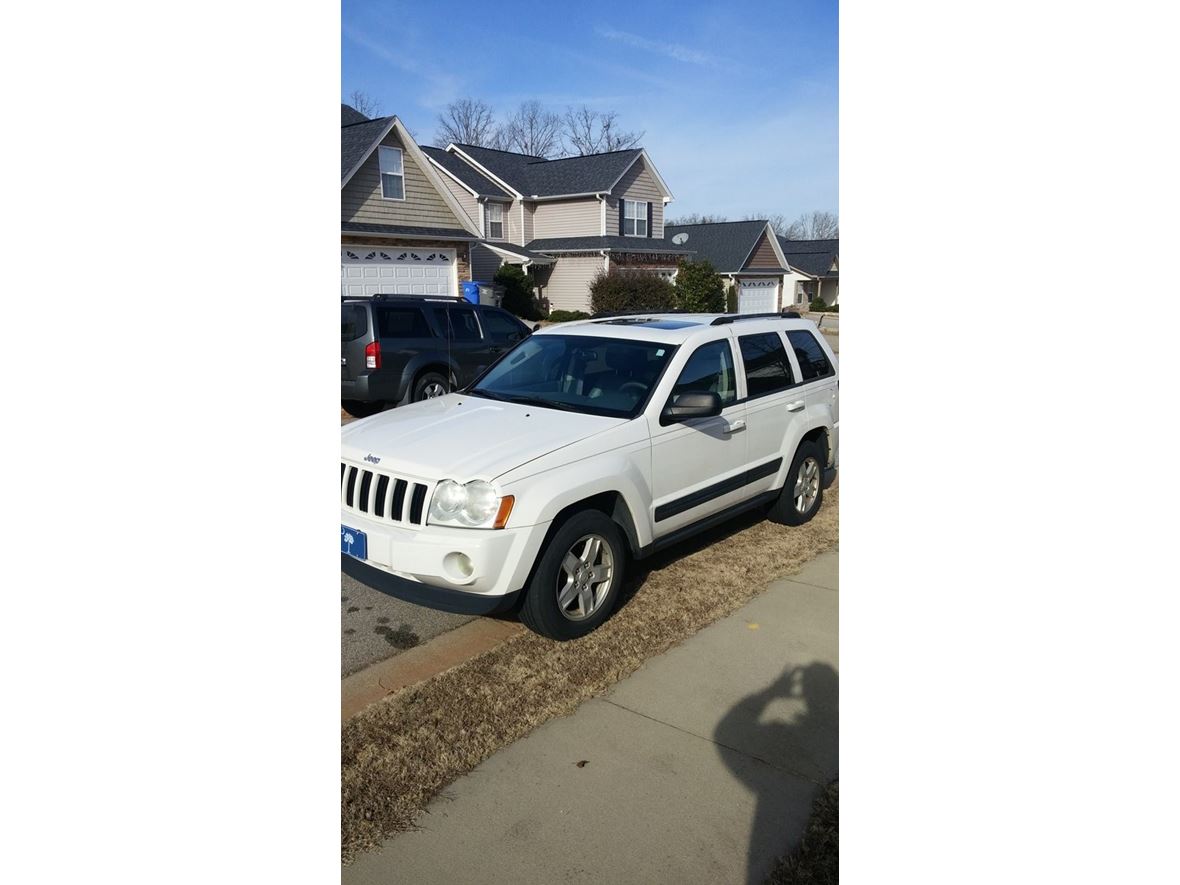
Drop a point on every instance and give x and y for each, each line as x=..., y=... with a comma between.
x=699, y=767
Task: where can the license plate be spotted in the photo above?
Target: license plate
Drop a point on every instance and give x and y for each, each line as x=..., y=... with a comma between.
x=353, y=542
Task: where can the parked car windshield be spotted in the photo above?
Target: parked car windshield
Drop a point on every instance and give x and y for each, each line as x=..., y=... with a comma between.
x=578, y=373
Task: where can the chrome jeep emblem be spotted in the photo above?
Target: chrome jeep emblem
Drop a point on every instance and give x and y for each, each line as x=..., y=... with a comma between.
x=372, y=459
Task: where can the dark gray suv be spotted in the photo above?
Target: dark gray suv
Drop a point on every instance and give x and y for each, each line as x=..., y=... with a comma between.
x=396, y=349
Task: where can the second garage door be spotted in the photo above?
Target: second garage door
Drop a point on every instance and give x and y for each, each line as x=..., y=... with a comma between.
x=380, y=270
x=758, y=296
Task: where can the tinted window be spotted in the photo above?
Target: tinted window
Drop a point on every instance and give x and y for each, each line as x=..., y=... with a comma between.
x=767, y=366
x=813, y=362
x=402, y=322
x=500, y=325
x=461, y=325
x=709, y=370
x=354, y=321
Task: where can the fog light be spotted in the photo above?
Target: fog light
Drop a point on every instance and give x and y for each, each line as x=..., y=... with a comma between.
x=458, y=567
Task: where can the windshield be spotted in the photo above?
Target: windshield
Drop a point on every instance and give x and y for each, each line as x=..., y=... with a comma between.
x=598, y=376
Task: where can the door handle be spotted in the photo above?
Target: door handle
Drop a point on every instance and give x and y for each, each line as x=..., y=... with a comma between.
x=735, y=426
x=796, y=406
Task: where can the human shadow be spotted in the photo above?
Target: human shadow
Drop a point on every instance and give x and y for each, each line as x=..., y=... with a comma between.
x=763, y=754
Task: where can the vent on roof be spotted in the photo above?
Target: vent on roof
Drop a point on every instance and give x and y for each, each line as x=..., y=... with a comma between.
x=680, y=239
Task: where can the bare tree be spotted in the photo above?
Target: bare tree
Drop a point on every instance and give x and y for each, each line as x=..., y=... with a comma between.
x=815, y=225
x=588, y=131
x=531, y=130
x=778, y=221
x=365, y=103
x=466, y=121
x=696, y=218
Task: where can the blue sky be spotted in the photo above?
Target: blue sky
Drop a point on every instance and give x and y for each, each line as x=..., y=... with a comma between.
x=739, y=101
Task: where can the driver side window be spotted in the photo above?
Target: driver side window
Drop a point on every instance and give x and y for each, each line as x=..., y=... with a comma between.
x=709, y=370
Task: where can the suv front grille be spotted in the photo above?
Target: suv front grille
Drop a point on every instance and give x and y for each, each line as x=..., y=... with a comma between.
x=382, y=496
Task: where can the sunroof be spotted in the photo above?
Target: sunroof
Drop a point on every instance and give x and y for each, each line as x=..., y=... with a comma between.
x=650, y=323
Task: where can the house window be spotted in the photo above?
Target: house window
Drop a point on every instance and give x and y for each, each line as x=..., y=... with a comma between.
x=393, y=181
x=495, y=217
x=634, y=219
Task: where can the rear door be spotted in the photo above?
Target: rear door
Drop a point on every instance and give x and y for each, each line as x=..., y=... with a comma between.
x=404, y=332
x=467, y=345
x=820, y=388
x=698, y=467
x=773, y=402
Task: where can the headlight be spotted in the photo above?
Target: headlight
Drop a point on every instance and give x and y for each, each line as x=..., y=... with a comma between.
x=474, y=505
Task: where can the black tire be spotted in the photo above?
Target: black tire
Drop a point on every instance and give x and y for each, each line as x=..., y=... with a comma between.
x=425, y=383
x=541, y=611
x=785, y=510
x=359, y=409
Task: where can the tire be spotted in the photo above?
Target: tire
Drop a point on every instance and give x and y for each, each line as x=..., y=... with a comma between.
x=427, y=385
x=359, y=409
x=807, y=469
x=542, y=611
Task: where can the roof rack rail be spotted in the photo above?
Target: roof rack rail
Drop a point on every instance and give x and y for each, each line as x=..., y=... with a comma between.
x=381, y=295
x=611, y=314
x=734, y=317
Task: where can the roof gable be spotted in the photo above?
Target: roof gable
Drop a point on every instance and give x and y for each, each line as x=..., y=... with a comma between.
x=816, y=258
x=536, y=177
x=726, y=245
x=466, y=174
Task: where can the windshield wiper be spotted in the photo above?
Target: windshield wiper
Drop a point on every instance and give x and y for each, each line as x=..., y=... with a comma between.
x=543, y=403
x=479, y=391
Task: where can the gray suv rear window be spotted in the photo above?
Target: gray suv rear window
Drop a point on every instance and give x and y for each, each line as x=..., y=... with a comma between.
x=354, y=321
x=403, y=322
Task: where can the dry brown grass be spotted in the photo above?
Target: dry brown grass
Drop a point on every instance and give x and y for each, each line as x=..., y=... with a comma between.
x=397, y=754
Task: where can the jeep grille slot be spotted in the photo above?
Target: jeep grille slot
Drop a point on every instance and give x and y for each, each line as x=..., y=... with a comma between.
x=382, y=496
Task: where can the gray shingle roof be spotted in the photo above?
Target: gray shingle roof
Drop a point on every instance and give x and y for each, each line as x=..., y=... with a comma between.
x=350, y=115
x=724, y=244
x=450, y=233
x=538, y=177
x=517, y=250
x=466, y=173
x=356, y=139
x=615, y=244
x=813, y=257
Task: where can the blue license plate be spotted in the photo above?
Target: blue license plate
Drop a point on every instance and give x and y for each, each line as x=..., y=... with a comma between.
x=353, y=542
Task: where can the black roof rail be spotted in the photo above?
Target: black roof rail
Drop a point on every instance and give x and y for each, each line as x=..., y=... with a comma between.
x=400, y=295
x=611, y=314
x=734, y=317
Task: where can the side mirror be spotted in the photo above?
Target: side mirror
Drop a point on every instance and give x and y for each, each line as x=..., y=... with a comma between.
x=690, y=405
x=536, y=327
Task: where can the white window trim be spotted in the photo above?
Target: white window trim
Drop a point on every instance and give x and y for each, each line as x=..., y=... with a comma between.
x=381, y=173
x=635, y=219
x=488, y=220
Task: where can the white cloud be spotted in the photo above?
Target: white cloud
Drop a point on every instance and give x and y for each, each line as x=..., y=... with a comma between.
x=671, y=50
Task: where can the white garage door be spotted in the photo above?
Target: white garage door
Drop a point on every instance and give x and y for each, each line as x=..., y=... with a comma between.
x=381, y=270
x=758, y=296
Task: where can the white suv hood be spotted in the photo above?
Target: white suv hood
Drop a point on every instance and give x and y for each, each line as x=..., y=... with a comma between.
x=464, y=437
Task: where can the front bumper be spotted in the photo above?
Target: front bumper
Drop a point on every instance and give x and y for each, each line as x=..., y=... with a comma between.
x=418, y=564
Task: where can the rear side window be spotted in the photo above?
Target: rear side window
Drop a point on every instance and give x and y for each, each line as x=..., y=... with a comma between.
x=813, y=362
x=500, y=325
x=709, y=370
x=461, y=325
x=403, y=322
x=354, y=321
x=767, y=368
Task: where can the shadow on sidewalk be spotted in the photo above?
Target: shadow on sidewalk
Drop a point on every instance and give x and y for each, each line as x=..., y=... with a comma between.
x=807, y=745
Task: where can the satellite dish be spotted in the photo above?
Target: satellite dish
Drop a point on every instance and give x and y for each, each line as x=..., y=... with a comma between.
x=680, y=239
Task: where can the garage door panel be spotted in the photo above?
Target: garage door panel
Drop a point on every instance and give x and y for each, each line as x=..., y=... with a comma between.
x=758, y=296
x=373, y=270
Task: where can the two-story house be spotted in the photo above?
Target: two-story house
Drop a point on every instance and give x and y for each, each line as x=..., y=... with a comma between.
x=566, y=220
x=401, y=230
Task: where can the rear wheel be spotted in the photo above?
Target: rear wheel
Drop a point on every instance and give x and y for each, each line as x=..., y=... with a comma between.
x=803, y=492
x=430, y=385
x=359, y=409
x=576, y=582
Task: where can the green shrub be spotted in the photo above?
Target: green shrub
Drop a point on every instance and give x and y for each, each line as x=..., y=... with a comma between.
x=519, y=293
x=731, y=299
x=565, y=316
x=698, y=287
x=835, y=308
x=818, y=304
x=626, y=289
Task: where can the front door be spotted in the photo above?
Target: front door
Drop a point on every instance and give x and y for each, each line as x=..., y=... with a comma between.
x=698, y=466
x=467, y=345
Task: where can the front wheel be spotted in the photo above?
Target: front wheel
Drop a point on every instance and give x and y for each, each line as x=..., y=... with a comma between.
x=803, y=492
x=576, y=582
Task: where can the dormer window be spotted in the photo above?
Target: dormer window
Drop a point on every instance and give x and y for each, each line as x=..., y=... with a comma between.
x=495, y=218
x=393, y=180
x=634, y=219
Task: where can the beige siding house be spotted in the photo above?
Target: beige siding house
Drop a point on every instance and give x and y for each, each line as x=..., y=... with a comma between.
x=402, y=229
x=567, y=220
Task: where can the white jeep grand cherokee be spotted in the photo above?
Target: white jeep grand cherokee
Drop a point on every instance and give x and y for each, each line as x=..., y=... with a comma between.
x=586, y=445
